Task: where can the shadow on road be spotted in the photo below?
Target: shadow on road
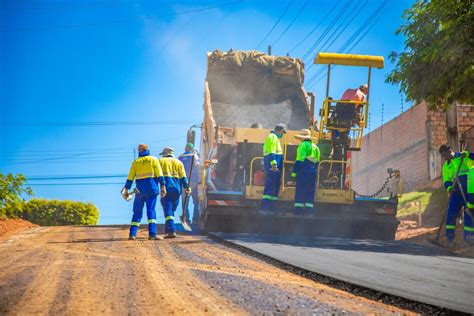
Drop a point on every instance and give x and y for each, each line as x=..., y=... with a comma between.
x=379, y=246
x=88, y=240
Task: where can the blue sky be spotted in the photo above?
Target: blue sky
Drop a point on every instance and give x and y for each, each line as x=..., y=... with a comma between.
x=134, y=61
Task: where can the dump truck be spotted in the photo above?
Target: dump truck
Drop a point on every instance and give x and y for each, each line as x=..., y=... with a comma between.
x=246, y=93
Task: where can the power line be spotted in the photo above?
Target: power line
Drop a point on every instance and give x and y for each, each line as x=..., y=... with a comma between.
x=276, y=23
x=359, y=34
x=91, y=151
x=342, y=27
x=71, y=158
x=74, y=177
x=97, y=123
x=315, y=28
x=81, y=183
x=291, y=23
x=73, y=26
x=328, y=29
x=349, y=19
x=77, y=6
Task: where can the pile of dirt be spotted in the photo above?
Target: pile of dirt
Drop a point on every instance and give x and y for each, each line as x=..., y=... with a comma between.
x=409, y=230
x=11, y=226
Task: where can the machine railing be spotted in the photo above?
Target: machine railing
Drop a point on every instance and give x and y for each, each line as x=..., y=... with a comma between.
x=327, y=115
x=335, y=179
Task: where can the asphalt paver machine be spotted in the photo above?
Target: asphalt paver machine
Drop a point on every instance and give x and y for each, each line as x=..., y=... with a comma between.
x=246, y=94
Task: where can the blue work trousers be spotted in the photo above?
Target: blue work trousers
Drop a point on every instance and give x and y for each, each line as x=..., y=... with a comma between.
x=138, y=203
x=170, y=204
x=456, y=203
x=305, y=191
x=272, y=183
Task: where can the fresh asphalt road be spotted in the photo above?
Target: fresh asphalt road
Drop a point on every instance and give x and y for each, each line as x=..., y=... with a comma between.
x=415, y=272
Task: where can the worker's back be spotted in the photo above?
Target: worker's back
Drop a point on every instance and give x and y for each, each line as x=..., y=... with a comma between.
x=147, y=173
x=173, y=174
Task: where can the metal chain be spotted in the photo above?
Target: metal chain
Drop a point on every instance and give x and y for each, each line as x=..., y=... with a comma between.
x=379, y=191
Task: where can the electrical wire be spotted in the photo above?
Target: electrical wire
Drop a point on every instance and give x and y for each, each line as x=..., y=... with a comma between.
x=291, y=23
x=327, y=30
x=355, y=39
x=74, y=177
x=86, y=156
x=334, y=37
x=275, y=24
x=97, y=123
x=111, y=22
x=77, y=6
x=316, y=27
x=80, y=183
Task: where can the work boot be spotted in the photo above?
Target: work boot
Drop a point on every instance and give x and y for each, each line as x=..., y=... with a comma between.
x=155, y=237
x=132, y=237
x=170, y=235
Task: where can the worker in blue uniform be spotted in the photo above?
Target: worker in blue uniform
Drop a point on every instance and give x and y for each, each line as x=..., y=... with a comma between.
x=305, y=170
x=187, y=158
x=273, y=164
x=456, y=201
x=148, y=175
x=175, y=179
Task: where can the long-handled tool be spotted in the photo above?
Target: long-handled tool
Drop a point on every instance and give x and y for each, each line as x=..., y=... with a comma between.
x=184, y=217
x=444, y=218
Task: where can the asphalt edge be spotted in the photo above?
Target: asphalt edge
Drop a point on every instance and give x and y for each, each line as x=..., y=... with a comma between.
x=358, y=290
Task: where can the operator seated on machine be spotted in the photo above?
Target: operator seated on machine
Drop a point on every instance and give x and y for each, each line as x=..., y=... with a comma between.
x=347, y=115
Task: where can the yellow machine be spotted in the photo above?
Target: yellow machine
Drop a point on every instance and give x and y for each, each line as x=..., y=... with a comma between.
x=245, y=95
x=342, y=123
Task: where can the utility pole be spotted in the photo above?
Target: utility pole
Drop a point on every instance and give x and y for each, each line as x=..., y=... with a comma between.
x=269, y=49
x=382, y=113
x=401, y=100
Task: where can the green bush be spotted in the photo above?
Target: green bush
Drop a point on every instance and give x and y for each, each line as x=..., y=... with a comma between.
x=54, y=212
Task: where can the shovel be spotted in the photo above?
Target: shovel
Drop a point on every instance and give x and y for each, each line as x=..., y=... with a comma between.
x=443, y=219
x=183, y=218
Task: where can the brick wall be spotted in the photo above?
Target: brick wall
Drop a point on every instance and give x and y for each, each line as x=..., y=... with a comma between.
x=410, y=143
x=465, y=117
x=399, y=144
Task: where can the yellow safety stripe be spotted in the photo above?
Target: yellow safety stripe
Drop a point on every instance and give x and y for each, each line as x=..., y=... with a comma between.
x=135, y=224
x=171, y=174
x=150, y=221
x=450, y=227
x=469, y=229
x=144, y=175
x=309, y=204
x=299, y=204
x=169, y=218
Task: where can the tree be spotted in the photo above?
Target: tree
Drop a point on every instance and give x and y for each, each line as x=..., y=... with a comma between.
x=438, y=62
x=11, y=189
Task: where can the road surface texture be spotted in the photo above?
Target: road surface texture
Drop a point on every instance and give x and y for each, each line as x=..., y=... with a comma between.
x=96, y=270
x=411, y=271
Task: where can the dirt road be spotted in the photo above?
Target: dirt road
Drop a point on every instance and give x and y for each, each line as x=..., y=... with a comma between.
x=96, y=270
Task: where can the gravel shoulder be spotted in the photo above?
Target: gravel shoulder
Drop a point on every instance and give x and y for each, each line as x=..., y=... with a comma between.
x=91, y=270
